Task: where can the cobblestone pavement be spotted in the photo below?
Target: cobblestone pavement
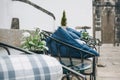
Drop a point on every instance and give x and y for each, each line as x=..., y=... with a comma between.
x=110, y=58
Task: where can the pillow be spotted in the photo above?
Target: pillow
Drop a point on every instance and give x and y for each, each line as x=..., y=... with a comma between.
x=74, y=31
x=73, y=35
x=64, y=36
x=80, y=41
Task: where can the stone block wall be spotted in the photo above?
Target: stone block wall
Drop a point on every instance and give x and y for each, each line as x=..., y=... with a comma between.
x=11, y=36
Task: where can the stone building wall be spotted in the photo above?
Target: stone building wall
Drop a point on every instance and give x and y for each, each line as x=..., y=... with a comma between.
x=104, y=21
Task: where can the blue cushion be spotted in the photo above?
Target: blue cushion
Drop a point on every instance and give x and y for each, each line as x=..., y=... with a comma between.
x=74, y=35
x=74, y=31
x=64, y=36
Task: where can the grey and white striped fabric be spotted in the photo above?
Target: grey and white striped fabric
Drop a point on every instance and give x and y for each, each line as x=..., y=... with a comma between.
x=29, y=67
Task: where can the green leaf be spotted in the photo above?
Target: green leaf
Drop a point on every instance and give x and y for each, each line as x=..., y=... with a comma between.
x=31, y=43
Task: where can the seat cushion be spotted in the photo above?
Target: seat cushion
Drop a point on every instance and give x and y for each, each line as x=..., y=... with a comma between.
x=74, y=31
x=65, y=37
x=29, y=67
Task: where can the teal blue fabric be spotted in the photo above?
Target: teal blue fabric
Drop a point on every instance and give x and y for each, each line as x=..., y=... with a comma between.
x=74, y=31
x=64, y=36
x=74, y=35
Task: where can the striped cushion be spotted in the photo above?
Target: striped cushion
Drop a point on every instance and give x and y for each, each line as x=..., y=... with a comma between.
x=29, y=67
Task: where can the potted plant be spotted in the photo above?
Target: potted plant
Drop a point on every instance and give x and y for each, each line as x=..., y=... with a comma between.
x=64, y=20
x=34, y=41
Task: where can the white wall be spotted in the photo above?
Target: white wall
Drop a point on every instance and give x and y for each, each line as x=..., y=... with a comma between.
x=30, y=17
x=78, y=13
x=5, y=16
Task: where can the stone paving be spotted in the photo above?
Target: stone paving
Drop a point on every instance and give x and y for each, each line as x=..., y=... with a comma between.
x=110, y=58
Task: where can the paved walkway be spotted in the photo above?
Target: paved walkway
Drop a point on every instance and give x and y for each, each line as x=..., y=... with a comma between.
x=110, y=57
